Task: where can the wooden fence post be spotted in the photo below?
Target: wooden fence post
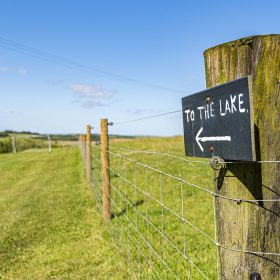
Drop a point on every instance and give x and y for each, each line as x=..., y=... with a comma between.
x=105, y=170
x=83, y=147
x=247, y=226
x=79, y=143
x=50, y=143
x=89, y=158
x=14, y=145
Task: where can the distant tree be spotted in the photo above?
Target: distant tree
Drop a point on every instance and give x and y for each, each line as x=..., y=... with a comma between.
x=4, y=134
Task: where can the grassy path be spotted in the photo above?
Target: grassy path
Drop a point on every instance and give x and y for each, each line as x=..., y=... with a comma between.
x=48, y=225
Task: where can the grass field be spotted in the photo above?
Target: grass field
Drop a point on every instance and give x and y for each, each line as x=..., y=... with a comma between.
x=49, y=227
x=143, y=227
x=22, y=144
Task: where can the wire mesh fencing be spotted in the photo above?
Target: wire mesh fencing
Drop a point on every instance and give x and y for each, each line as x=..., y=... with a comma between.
x=163, y=210
x=153, y=219
x=19, y=143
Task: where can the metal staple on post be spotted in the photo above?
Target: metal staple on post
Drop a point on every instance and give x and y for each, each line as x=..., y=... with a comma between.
x=105, y=170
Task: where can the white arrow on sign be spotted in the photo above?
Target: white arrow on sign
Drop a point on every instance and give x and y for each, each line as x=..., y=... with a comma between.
x=211, y=138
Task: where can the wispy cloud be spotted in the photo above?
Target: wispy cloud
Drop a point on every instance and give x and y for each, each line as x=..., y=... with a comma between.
x=90, y=91
x=95, y=96
x=18, y=71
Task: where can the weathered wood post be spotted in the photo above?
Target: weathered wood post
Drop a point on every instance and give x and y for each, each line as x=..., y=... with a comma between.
x=89, y=158
x=250, y=226
x=14, y=145
x=105, y=170
x=49, y=143
x=79, y=143
x=83, y=147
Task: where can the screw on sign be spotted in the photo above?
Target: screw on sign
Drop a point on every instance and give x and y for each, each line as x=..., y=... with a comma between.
x=219, y=121
x=255, y=276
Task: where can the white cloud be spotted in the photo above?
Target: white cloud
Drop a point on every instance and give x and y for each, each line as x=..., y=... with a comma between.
x=90, y=91
x=94, y=95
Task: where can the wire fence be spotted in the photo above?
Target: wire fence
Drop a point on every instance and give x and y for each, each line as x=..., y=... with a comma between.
x=163, y=211
x=18, y=143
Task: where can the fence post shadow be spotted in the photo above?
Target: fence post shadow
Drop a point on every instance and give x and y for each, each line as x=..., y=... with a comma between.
x=125, y=209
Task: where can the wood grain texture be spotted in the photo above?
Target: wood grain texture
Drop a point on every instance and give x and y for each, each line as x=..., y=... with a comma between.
x=105, y=170
x=250, y=226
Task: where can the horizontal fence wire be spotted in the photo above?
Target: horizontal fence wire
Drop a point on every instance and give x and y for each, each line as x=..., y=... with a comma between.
x=158, y=153
x=187, y=160
x=154, y=217
x=122, y=196
x=206, y=190
x=146, y=118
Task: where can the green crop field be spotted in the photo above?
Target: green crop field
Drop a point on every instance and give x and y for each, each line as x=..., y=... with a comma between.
x=49, y=227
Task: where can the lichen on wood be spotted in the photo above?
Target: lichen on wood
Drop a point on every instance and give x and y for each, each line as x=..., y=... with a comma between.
x=250, y=226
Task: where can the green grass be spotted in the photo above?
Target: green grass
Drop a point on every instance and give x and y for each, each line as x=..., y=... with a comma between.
x=130, y=226
x=49, y=228
x=22, y=144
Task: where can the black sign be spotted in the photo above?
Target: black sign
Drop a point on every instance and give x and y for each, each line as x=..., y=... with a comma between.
x=219, y=121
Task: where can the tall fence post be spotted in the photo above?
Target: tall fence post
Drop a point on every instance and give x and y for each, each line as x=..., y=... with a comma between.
x=85, y=151
x=14, y=145
x=105, y=170
x=250, y=227
x=79, y=143
x=83, y=147
x=50, y=143
x=89, y=157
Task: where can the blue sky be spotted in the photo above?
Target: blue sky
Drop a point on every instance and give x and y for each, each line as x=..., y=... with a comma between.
x=158, y=42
